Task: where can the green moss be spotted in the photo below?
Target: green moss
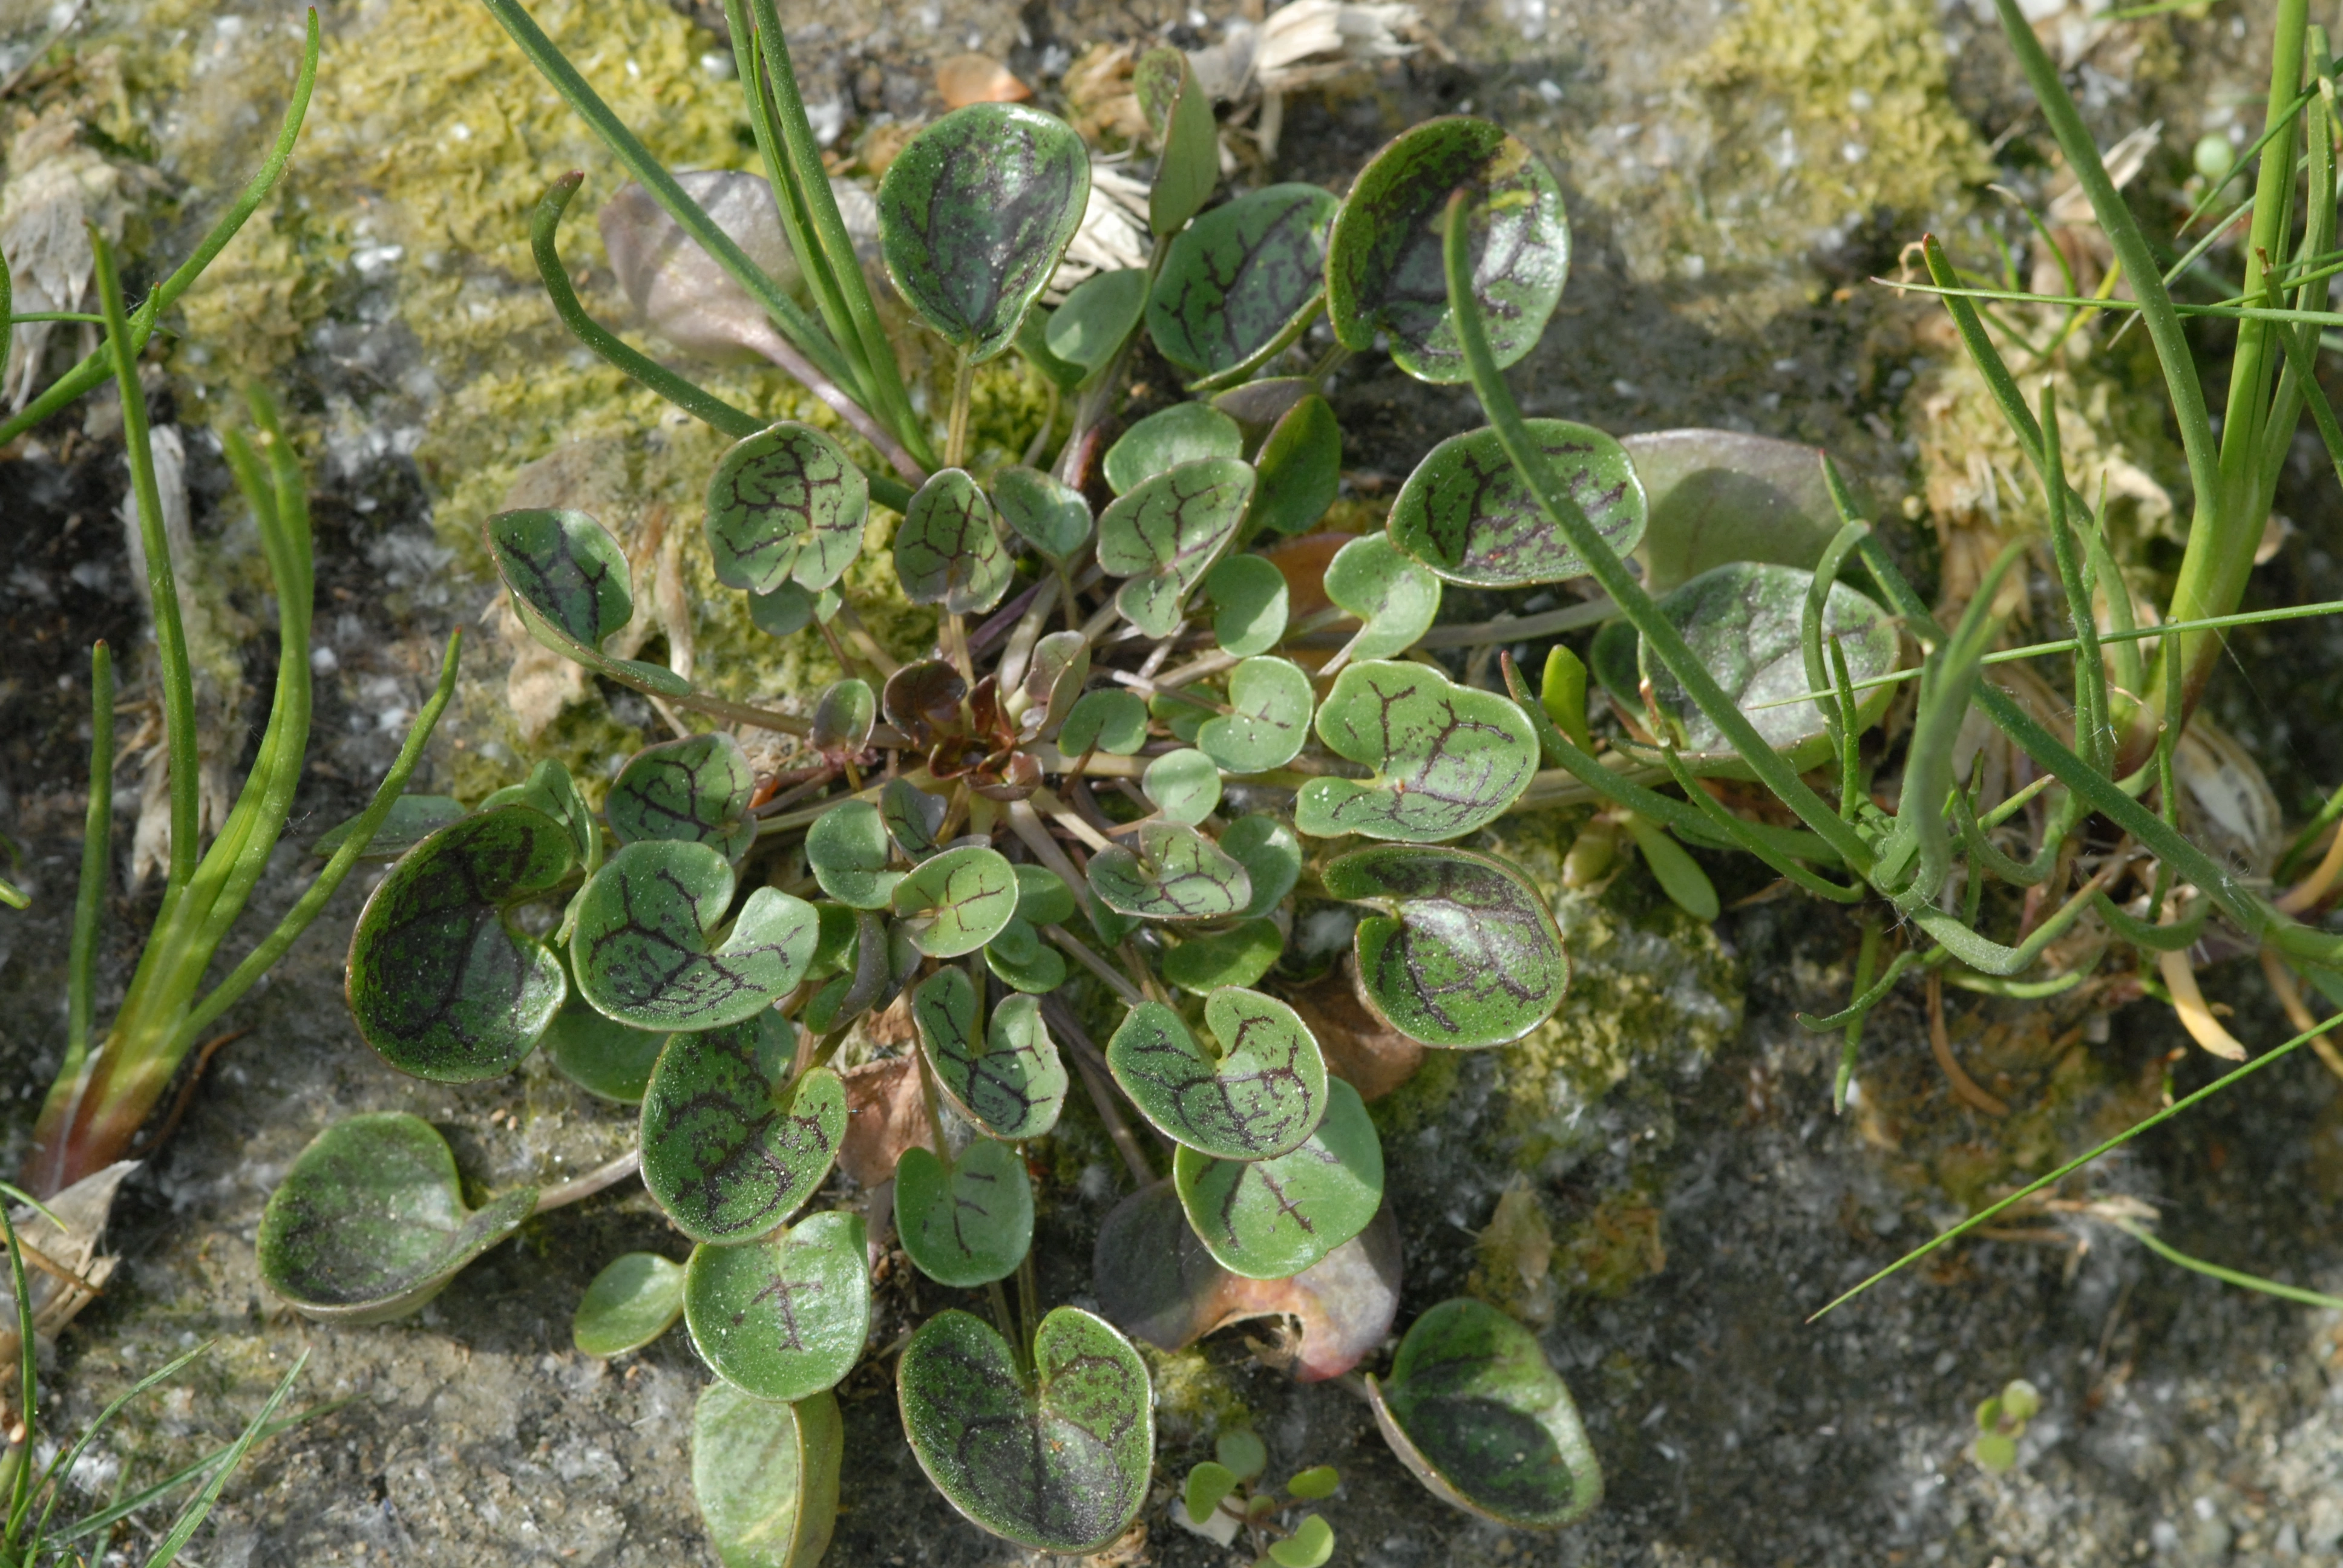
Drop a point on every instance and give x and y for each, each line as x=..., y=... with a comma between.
x=1193, y=1398
x=1612, y=1248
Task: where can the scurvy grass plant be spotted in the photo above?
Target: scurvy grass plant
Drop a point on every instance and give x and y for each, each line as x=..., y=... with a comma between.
x=1149, y=732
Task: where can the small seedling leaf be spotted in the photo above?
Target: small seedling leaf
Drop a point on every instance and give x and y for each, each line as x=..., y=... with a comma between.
x=787, y=505
x=913, y=817
x=1096, y=319
x=1007, y=1078
x=549, y=791
x=1250, y=601
x=1112, y=719
x=1677, y=873
x=1184, y=786
x=647, y=952
x=1173, y=873
x=1183, y=433
x=1207, y=1484
x=766, y=1476
x=1271, y=1219
x=967, y=1222
x=1242, y=1451
x=1238, y=956
x=1042, y=896
x=1473, y=1408
x=1165, y=535
x=1465, y=513
x=1448, y=758
x=1241, y=282
x=1315, y=1484
x=635, y=1299
x=947, y=550
x=1271, y=855
x=571, y=588
x=1058, y=1463
x=1259, y=1095
x=924, y=698
x=784, y=1317
x=1053, y=682
x=1464, y=952
x=786, y=611
x=1310, y=1545
x=1562, y=692
x=1051, y=517
x=846, y=849
x=370, y=1223
x=687, y=791
x=1301, y=466
x=957, y=901
x=1019, y=958
x=730, y=1147
x=412, y=820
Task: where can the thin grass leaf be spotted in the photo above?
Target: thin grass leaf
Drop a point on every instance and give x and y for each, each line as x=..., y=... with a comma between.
x=28, y=1413
x=105, y=1519
x=2172, y=1254
x=200, y=1506
x=96, y=861
x=63, y=1464
x=2090, y=670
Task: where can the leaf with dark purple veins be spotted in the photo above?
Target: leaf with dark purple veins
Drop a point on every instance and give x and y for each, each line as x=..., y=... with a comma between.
x=1271, y=702
x=1448, y=758
x=688, y=792
x=765, y=1476
x=1472, y=1407
x=1271, y=1219
x=1175, y=873
x=913, y=817
x=549, y=791
x=1258, y=1096
x=443, y=982
x=1165, y=535
x=1051, y=517
x=1005, y=1076
x=1183, y=433
x=730, y=1147
x=787, y=505
x=571, y=588
x=947, y=550
x=784, y=1317
x=1383, y=267
x=1241, y=282
x=1465, y=513
x=957, y=901
x=1057, y=1463
x=924, y=698
x=967, y=1222
x=647, y=949
x=1465, y=952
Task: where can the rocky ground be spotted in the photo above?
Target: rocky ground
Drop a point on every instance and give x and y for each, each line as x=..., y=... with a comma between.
x=1734, y=178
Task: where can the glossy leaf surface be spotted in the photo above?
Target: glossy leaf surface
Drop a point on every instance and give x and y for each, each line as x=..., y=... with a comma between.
x=1250, y=601
x=549, y=791
x=786, y=505
x=1301, y=468
x=571, y=588
x=848, y=849
x=1171, y=873
x=947, y=550
x=598, y=1053
x=412, y=820
x=1271, y=1219
x=1465, y=513
x=687, y=791
x=1005, y=1078
x=843, y=719
x=1743, y=624
x=1051, y=517
x=730, y=1147
x=1241, y=281
x=1448, y=758
x=1179, y=111
x=968, y=1221
x=912, y=816
x=957, y=901
x=1717, y=496
x=1393, y=595
x=1096, y=317
x=784, y=1317
x=1238, y=956
x=1271, y=855
x=1465, y=952
x=1184, y=786
x=635, y=1299
x=1272, y=702
x=1020, y=959
x=1258, y=1096
x=1110, y=719
x=766, y=1476
x=1165, y=535
x=647, y=952
x=1183, y=433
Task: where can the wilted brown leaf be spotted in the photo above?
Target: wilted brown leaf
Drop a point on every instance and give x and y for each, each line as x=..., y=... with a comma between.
x=885, y=1114
x=1361, y=1049
x=967, y=79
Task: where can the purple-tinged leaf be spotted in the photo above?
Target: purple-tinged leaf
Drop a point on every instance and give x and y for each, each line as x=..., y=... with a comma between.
x=730, y=1147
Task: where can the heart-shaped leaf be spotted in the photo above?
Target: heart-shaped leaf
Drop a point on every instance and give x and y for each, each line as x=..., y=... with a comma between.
x=1051, y=517
x=1465, y=513
x=1301, y=468
x=600, y=1054
x=957, y=901
x=1249, y=599
x=1008, y=1079
x=766, y=1476
x=1183, y=433
x=968, y=1222
x=1165, y=535
x=1174, y=873
x=974, y=214
x=1383, y=267
x=947, y=550
x=787, y=610
x=1184, y=786
x=634, y=1299
x=1271, y=855
x=571, y=588
x=1719, y=496
x=1241, y=282
x=924, y=698
x=687, y=791
x=1475, y=1410
x=1238, y=956
x=787, y=505
x=1156, y=1281
x=1058, y=1463
x=1260, y=1095
x=412, y=820
x=1391, y=593
x=1179, y=110
x=1466, y=952
x=1112, y=719
x=443, y=983
x=846, y=849
x=730, y=1146
x=370, y=1221
x=647, y=949
x=1271, y=701
x=843, y=719
x=1097, y=317
x=784, y=1317
x=1448, y=758
x=1271, y=1219
x=1018, y=957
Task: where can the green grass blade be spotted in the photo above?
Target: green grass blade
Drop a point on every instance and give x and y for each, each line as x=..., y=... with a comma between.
x=28, y=1411
x=200, y=1506
x=96, y=861
x=1953, y=672
x=2091, y=669
x=2171, y=1255
x=63, y=1465
x=105, y=1518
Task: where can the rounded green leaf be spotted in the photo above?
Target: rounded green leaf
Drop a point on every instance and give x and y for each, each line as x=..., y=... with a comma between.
x=1258, y=1096
x=1448, y=758
x=1743, y=624
x=784, y=612
x=843, y=718
x=1272, y=699
x=1301, y=468
x=1207, y=1484
x=1113, y=720
x=1018, y=957
x=412, y=820
x=913, y=817
x=1007, y=1078
x=1165, y=535
x=1271, y=1219
x=1242, y=1451
x=1060, y=1463
x=846, y=849
x=648, y=950
x=1042, y=896
x=974, y=214
x=957, y=901
x=690, y=791
x=784, y=1317
x=1720, y=496
x=1310, y=1545
x=969, y=1223
x=947, y=550
x=600, y=1054
x=1465, y=952
x=1383, y=267
x=570, y=587
x=634, y=1299
x=1053, y=682
x=1051, y=517
x=1465, y=513
x=1677, y=873
x=550, y=792
x=1241, y=282
x=1173, y=873
x=1392, y=594
x=1238, y=956
x=766, y=1476
x=443, y=983
x=786, y=505
x=1474, y=1409
x=1271, y=855
x=1250, y=601
x=370, y=1221
x=1315, y=1484
x=1183, y=433
x=730, y=1147
x=1096, y=317
x=1184, y=786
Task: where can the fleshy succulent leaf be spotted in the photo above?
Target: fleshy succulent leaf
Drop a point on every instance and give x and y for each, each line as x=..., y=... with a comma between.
x=1271, y=1219
x=1393, y=595
x=843, y=719
x=549, y=791
x=1053, y=682
x=1272, y=702
x=1301, y=469
x=784, y=1317
x=1183, y=433
x=695, y=790
x=1720, y=496
x=1005, y=1078
x=1465, y=953
x=1111, y=718
x=730, y=1146
x=643, y=952
x=635, y=1299
x=947, y=550
x=1165, y=535
x=1465, y=513
x=571, y=588
x=1238, y=956
x=1448, y=758
x=1051, y=517
x=1250, y=601
x=968, y=1221
x=1271, y=855
x=787, y=505
x=1260, y=1095
x=912, y=816
x=847, y=848
x=922, y=697
x=1019, y=958
x=958, y=900
x=1096, y=319
x=766, y=1476
x=1173, y=873
x=786, y=611
x=1179, y=109
x=1241, y=282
